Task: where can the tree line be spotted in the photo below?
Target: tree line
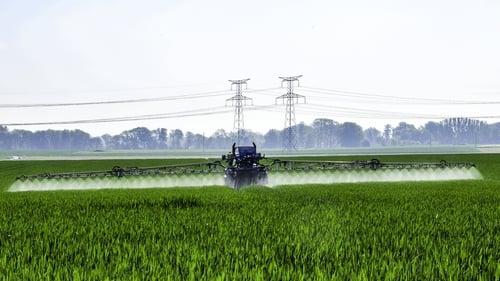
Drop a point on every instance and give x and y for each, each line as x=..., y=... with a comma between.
x=321, y=133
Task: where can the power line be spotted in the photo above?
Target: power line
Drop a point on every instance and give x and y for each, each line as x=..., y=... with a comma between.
x=188, y=113
x=289, y=99
x=262, y=91
x=155, y=99
x=199, y=95
x=179, y=114
x=105, y=90
x=365, y=113
x=309, y=109
x=339, y=111
x=379, y=98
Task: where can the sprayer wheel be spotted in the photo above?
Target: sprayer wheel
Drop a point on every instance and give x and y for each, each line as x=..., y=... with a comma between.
x=374, y=164
x=117, y=171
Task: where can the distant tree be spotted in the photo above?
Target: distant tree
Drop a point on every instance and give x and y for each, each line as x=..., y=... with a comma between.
x=432, y=131
x=484, y=134
x=387, y=135
x=188, y=140
x=137, y=138
x=176, y=138
x=321, y=133
x=106, y=139
x=160, y=137
x=80, y=140
x=406, y=133
x=350, y=134
x=373, y=136
x=198, y=141
x=461, y=130
x=325, y=132
x=245, y=137
x=22, y=140
x=248, y=137
x=219, y=140
x=494, y=133
x=96, y=143
x=289, y=137
x=304, y=135
x=5, y=138
x=128, y=140
x=193, y=141
x=144, y=138
x=272, y=139
x=43, y=140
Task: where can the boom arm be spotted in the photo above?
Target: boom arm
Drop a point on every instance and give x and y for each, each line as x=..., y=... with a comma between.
x=374, y=164
x=197, y=168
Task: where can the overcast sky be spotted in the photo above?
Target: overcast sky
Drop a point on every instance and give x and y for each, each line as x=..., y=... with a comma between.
x=378, y=62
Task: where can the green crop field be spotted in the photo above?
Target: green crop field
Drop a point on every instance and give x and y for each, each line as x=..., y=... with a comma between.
x=446, y=230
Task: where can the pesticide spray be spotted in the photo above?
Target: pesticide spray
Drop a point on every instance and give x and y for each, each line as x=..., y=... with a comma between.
x=187, y=180
x=275, y=179
x=388, y=175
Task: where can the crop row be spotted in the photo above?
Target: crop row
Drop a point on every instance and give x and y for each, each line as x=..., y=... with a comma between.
x=417, y=231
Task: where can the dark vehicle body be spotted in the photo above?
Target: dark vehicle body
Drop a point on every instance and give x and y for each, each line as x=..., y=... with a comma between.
x=243, y=167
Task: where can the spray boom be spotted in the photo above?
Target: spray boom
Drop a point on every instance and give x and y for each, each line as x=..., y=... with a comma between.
x=242, y=167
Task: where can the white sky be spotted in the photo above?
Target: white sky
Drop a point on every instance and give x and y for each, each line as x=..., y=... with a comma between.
x=105, y=50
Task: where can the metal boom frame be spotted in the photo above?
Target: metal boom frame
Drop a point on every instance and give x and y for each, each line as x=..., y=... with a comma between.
x=276, y=165
x=197, y=168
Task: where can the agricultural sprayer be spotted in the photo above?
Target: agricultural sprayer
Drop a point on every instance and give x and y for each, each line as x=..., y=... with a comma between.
x=244, y=166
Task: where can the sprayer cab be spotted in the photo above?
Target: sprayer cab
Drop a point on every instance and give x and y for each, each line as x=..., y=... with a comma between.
x=243, y=167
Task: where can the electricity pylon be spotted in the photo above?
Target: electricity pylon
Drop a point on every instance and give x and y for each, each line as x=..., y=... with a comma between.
x=290, y=99
x=238, y=101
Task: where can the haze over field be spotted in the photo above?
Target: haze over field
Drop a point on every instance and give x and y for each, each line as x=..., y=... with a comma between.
x=373, y=63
